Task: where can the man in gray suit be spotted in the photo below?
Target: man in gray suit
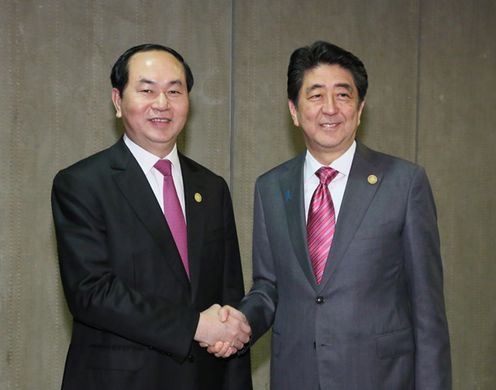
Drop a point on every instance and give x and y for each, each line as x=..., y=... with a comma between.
x=349, y=272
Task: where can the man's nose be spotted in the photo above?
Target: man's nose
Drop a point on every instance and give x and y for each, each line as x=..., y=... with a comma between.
x=329, y=106
x=161, y=102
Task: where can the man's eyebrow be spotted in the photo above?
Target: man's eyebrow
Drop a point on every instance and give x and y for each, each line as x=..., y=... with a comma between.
x=313, y=87
x=347, y=86
x=152, y=82
x=146, y=81
x=175, y=82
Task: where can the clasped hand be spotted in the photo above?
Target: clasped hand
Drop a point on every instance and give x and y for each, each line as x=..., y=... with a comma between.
x=222, y=330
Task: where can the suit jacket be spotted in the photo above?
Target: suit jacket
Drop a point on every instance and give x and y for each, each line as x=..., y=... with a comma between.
x=377, y=320
x=135, y=311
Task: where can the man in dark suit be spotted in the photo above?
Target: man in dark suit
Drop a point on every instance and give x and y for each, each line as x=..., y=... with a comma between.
x=147, y=246
x=346, y=259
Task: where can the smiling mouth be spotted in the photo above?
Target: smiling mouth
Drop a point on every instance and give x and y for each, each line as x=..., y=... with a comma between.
x=160, y=120
x=328, y=125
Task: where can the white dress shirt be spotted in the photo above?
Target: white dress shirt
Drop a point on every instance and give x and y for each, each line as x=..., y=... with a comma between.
x=147, y=160
x=336, y=187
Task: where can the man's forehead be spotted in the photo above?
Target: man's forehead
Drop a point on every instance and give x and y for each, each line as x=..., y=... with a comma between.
x=154, y=60
x=324, y=73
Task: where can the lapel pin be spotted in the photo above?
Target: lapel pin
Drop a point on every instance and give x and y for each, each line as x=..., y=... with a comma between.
x=372, y=179
x=287, y=196
x=198, y=197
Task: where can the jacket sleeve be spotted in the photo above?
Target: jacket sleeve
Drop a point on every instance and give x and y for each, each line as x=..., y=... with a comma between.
x=260, y=304
x=425, y=281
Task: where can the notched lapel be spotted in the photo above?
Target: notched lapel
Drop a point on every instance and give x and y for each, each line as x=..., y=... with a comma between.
x=360, y=190
x=135, y=188
x=291, y=185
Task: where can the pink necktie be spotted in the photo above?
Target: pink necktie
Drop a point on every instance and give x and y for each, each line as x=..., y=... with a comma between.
x=173, y=212
x=321, y=222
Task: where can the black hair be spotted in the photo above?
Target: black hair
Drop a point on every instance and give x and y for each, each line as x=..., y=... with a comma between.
x=120, y=71
x=320, y=52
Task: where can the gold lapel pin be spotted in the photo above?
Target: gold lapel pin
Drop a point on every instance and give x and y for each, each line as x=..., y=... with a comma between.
x=198, y=197
x=372, y=179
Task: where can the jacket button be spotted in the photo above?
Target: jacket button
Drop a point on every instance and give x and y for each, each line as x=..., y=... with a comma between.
x=319, y=300
x=191, y=358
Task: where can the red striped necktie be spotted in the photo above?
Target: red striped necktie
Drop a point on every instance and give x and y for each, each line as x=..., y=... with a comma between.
x=321, y=222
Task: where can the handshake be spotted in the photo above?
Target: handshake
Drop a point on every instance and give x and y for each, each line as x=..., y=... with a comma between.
x=222, y=330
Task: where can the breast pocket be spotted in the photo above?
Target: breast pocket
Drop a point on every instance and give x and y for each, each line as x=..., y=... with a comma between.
x=379, y=231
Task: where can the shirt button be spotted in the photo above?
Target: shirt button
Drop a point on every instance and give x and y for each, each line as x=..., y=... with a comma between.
x=319, y=300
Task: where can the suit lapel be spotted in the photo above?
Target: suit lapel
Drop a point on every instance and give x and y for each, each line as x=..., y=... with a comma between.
x=194, y=191
x=293, y=196
x=133, y=184
x=356, y=200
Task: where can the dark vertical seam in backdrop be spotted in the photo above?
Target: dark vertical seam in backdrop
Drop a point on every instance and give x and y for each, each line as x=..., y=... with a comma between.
x=231, y=100
x=8, y=183
x=417, y=92
x=17, y=148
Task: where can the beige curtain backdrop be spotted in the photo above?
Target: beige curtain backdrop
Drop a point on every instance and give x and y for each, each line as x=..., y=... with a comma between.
x=432, y=68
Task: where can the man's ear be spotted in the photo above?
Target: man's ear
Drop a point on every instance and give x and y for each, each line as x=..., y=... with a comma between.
x=294, y=113
x=116, y=99
x=360, y=110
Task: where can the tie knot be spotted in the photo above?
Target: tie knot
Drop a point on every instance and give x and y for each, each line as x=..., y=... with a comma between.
x=326, y=174
x=164, y=166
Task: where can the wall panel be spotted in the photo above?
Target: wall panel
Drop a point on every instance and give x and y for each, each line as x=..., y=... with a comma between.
x=431, y=99
x=457, y=112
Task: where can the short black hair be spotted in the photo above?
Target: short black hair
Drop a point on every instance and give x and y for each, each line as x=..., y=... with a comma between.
x=120, y=71
x=320, y=52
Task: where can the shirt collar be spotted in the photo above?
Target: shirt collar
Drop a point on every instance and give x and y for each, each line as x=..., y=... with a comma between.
x=342, y=164
x=147, y=160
